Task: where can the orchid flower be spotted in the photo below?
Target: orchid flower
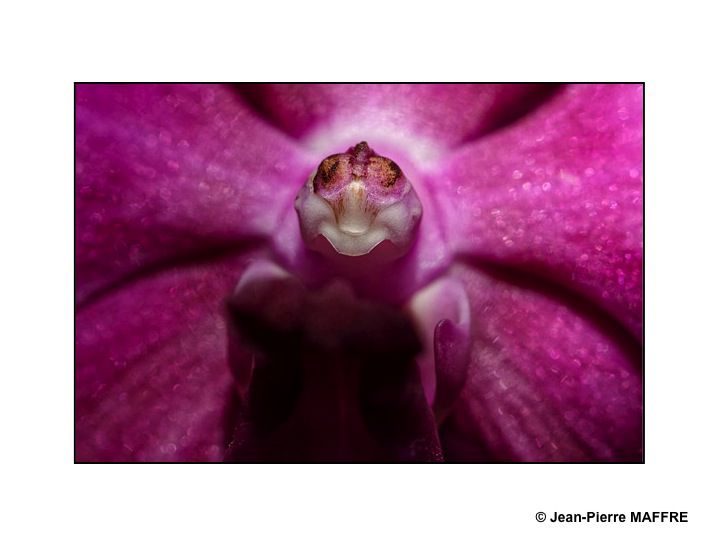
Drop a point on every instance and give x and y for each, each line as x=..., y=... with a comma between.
x=359, y=273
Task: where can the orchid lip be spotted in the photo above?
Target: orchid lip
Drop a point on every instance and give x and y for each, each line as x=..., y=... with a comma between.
x=356, y=201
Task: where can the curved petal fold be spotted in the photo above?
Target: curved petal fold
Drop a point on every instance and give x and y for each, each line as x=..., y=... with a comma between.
x=441, y=313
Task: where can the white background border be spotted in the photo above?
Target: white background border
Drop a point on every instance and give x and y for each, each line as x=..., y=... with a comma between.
x=47, y=47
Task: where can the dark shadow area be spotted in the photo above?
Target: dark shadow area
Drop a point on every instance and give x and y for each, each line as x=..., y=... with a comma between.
x=503, y=116
x=332, y=379
x=252, y=95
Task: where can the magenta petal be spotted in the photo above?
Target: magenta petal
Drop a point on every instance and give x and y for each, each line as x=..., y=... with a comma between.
x=152, y=378
x=560, y=194
x=167, y=173
x=444, y=114
x=549, y=380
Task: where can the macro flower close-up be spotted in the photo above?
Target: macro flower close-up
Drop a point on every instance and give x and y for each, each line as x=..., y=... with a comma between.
x=359, y=273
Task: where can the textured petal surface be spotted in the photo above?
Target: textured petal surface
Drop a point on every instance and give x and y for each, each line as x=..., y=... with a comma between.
x=551, y=379
x=167, y=173
x=560, y=193
x=152, y=377
x=431, y=117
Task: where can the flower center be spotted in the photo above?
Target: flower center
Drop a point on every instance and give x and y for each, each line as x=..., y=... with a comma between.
x=355, y=201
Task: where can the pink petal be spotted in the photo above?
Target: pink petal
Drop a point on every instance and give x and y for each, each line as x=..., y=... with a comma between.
x=560, y=193
x=550, y=379
x=442, y=115
x=152, y=376
x=167, y=173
